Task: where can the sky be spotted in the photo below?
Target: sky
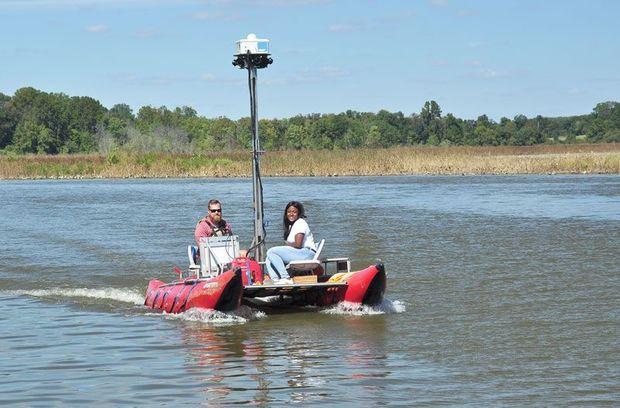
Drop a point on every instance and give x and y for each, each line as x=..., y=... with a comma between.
x=500, y=58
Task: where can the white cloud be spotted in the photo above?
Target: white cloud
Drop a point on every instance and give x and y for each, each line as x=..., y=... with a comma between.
x=99, y=28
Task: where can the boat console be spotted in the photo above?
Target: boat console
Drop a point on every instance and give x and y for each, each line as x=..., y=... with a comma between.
x=216, y=255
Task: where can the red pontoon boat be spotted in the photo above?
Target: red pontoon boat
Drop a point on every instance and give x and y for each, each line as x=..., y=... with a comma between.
x=222, y=280
x=243, y=282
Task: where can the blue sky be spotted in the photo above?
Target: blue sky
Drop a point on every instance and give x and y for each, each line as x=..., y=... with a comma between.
x=499, y=58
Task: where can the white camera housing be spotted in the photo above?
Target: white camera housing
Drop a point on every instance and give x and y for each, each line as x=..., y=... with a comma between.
x=253, y=45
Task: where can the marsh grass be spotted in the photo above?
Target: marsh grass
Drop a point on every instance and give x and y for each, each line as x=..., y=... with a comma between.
x=544, y=159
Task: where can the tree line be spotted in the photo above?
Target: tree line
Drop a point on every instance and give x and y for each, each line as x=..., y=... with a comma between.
x=33, y=121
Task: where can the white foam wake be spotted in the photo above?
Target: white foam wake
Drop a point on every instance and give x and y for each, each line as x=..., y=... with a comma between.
x=242, y=315
x=120, y=295
x=357, y=309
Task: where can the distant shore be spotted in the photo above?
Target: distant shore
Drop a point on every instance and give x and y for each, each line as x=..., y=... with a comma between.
x=541, y=159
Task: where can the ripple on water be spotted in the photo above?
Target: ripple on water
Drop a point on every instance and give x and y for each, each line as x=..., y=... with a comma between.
x=242, y=315
x=117, y=294
x=356, y=309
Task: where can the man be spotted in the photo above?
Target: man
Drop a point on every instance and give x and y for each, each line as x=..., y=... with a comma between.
x=212, y=224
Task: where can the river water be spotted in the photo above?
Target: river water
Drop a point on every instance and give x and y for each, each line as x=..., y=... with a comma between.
x=502, y=290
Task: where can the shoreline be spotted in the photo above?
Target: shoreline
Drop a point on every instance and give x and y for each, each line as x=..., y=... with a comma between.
x=395, y=161
x=79, y=178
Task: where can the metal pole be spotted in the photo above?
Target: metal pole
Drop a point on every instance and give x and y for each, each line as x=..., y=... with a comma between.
x=252, y=62
x=257, y=188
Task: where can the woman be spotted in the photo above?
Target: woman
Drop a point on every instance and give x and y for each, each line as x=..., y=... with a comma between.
x=299, y=243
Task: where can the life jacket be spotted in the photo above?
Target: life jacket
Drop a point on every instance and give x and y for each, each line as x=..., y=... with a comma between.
x=218, y=230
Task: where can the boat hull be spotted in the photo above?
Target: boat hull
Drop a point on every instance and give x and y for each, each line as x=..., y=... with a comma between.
x=366, y=286
x=222, y=293
x=227, y=291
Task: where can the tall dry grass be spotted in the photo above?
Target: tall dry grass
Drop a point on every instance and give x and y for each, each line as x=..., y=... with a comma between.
x=600, y=158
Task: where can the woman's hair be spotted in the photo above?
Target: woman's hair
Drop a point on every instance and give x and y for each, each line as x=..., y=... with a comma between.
x=286, y=223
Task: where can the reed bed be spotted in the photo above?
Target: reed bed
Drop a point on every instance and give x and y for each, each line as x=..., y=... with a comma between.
x=544, y=159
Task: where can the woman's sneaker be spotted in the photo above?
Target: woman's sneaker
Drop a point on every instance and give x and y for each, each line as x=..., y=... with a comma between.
x=283, y=281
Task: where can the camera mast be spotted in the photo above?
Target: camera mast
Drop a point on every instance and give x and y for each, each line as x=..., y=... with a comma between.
x=252, y=54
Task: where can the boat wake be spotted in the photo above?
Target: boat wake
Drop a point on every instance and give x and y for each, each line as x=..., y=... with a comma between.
x=356, y=309
x=120, y=295
x=242, y=315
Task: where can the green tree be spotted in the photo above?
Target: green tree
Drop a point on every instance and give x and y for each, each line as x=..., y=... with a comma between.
x=121, y=111
x=432, y=125
x=525, y=136
x=23, y=101
x=294, y=136
x=520, y=121
x=454, y=130
x=393, y=128
x=605, y=122
x=354, y=136
x=374, y=139
x=430, y=111
x=118, y=128
x=485, y=132
x=32, y=137
x=149, y=118
x=79, y=141
x=507, y=131
x=85, y=113
x=419, y=134
x=244, y=133
x=7, y=121
x=223, y=132
x=187, y=112
x=51, y=111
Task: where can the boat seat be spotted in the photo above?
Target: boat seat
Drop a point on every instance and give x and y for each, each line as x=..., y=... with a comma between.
x=306, y=265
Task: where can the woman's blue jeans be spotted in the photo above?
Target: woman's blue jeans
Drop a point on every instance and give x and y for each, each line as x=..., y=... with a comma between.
x=279, y=256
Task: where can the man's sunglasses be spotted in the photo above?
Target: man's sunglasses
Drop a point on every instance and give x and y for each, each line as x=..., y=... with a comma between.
x=216, y=210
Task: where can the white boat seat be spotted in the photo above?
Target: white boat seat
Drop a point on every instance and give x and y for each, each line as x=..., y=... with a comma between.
x=306, y=265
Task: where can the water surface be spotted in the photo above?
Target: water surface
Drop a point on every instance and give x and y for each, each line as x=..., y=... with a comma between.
x=501, y=291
